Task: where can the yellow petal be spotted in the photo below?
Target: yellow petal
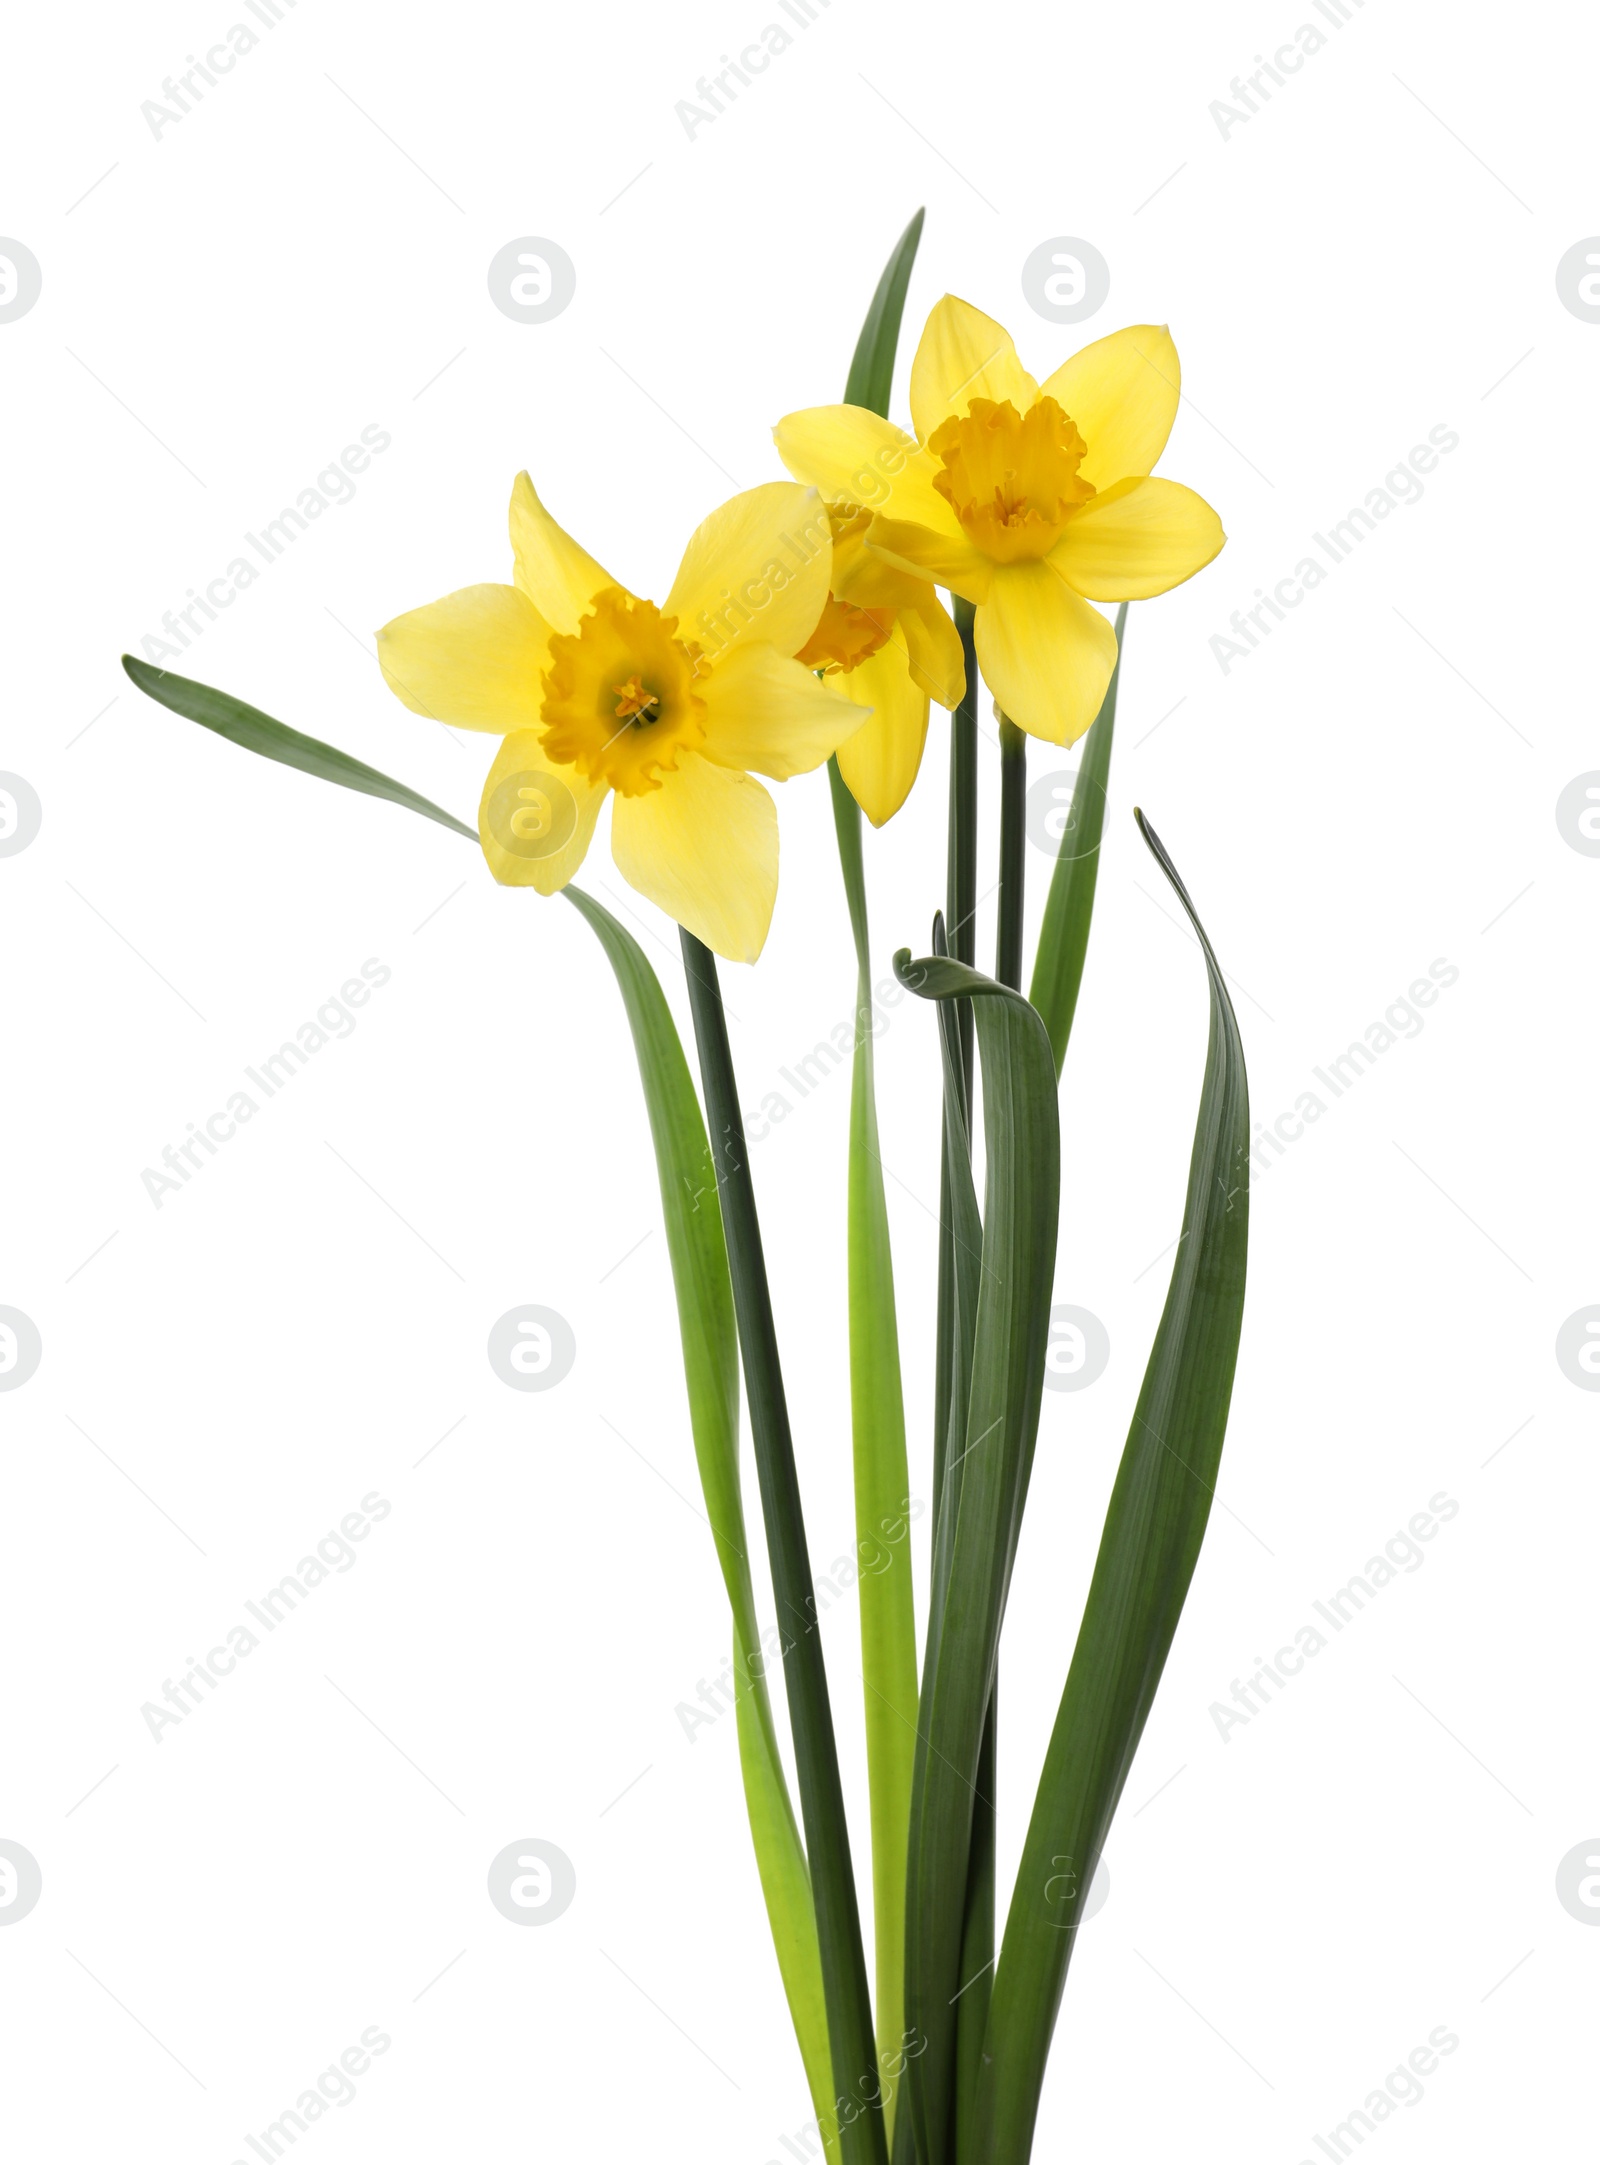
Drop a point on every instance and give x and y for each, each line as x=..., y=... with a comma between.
x=770, y=715
x=1141, y=537
x=757, y=569
x=962, y=355
x=933, y=647
x=1045, y=653
x=1123, y=394
x=854, y=457
x=929, y=552
x=472, y=659
x=558, y=577
x=704, y=848
x=536, y=819
x=879, y=762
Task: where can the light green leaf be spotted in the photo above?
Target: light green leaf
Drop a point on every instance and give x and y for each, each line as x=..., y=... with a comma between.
x=699, y=1260
x=882, y=1485
x=877, y=1405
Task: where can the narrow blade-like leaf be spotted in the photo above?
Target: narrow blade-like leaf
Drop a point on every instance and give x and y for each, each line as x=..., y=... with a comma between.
x=1069, y=906
x=877, y=1404
x=872, y=369
x=882, y=1485
x=257, y=732
x=699, y=1259
x=1148, y=1550
x=985, y=1486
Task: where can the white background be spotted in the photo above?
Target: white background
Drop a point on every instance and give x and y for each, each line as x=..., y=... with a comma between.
x=304, y=254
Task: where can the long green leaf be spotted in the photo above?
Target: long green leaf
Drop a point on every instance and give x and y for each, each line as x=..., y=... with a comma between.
x=258, y=732
x=705, y=1318
x=872, y=368
x=699, y=1259
x=882, y=1487
x=1069, y=907
x=985, y=1486
x=1148, y=1550
x=844, y=1970
x=877, y=1403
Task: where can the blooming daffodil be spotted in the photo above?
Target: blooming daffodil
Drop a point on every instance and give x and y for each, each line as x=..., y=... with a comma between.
x=1030, y=500
x=670, y=711
x=884, y=643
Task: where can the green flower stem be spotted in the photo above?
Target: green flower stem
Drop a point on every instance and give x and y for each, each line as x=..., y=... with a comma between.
x=978, y=1935
x=1013, y=802
x=961, y=889
x=844, y=1970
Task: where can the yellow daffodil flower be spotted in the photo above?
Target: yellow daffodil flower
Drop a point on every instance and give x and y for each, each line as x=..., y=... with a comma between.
x=884, y=643
x=668, y=710
x=1030, y=500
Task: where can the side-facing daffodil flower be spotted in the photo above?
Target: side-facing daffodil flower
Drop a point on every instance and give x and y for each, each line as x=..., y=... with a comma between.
x=885, y=644
x=596, y=692
x=1029, y=500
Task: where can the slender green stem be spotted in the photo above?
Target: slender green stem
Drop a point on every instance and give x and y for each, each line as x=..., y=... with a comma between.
x=978, y=1937
x=882, y=1486
x=961, y=890
x=1013, y=804
x=961, y=883
x=844, y=1969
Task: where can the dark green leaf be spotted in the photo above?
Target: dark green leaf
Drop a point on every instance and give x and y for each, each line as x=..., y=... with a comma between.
x=985, y=1485
x=258, y=732
x=1148, y=1550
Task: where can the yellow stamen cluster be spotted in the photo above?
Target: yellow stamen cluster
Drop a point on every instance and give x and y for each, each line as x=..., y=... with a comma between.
x=618, y=698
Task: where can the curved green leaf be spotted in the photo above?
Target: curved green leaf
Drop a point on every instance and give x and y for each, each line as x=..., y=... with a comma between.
x=1069, y=906
x=1148, y=1550
x=985, y=1487
x=872, y=368
x=699, y=1259
x=257, y=732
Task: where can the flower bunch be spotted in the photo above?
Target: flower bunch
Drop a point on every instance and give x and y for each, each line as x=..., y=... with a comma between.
x=804, y=629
